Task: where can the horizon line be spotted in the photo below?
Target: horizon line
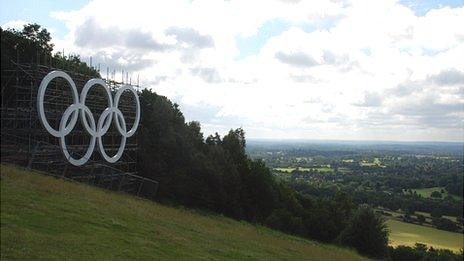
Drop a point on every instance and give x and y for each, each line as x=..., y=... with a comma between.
x=348, y=140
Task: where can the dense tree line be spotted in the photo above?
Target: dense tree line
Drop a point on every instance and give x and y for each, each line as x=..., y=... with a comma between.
x=420, y=252
x=392, y=201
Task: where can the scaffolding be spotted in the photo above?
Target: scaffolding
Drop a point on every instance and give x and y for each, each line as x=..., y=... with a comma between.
x=25, y=142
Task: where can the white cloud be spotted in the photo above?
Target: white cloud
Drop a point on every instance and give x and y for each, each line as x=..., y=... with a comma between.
x=343, y=70
x=15, y=24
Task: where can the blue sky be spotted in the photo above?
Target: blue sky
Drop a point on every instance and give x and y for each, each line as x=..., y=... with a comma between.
x=421, y=7
x=38, y=11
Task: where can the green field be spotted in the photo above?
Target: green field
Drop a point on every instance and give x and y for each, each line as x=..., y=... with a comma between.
x=287, y=170
x=376, y=163
x=427, y=192
x=318, y=169
x=348, y=160
x=344, y=170
x=43, y=218
x=402, y=233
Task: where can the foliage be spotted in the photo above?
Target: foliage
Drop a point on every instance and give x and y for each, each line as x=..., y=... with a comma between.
x=33, y=45
x=445, y=224
x=435, y=194
x=366, y=232
x=420, y=252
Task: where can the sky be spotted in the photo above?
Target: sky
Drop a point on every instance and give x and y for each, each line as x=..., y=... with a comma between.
x=319, y=70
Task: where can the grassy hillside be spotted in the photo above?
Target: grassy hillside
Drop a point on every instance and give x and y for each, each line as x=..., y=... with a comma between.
x=402, y=233
x=46, y=218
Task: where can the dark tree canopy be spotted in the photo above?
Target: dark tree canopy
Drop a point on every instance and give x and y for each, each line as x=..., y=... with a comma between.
x=367, y=232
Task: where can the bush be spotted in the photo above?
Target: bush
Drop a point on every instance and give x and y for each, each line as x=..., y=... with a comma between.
x=445, y=224
x=436, y=194
x=405, y=253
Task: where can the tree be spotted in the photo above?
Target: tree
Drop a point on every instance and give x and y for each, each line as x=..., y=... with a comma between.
x=366, y=232
x=404, y=253
x=435, y=194
x=445, y=224
x=38, y=35
x=33, y=45
x=436, y=213
x=420, y=252
x=420, y=218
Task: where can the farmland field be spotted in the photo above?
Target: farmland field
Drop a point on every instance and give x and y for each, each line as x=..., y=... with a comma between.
x=402, y=233
x=318, y=169
x=288, y=170
x=427, y=192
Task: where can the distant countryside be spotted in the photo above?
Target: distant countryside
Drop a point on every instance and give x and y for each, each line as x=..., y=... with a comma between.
x=417, y=187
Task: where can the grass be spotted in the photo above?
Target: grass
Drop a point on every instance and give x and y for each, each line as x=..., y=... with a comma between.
x=43, y=218
x=344, y=170
x=286, y=170
x=321, y=169
x=376, y=163
x=402, y=233
x=427, y=192
x=324, y=169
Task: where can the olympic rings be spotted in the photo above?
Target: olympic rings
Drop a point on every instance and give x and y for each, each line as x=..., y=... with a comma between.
x=96, y=129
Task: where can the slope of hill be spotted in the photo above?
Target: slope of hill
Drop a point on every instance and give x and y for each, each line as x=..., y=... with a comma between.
x=47, y=218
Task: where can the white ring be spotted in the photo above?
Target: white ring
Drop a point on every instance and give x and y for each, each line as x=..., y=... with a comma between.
x=137, y=110
x=40, y=101
x=72, y=109
x=85, y=90
x=103, y=116
x=95, y=130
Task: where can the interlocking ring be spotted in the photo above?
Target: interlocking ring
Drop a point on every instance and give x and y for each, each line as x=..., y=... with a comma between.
x=95, y=129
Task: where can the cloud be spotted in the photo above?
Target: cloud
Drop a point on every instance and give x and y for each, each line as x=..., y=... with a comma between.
x=158, y=80
x=448, y=77
x=14, y=24
x=406, y=88
x=427, y=107
x=303, y=78
x=205, y=113
x=370, y=100
x=335, y=70
x=190, y=37
x=91, y=35
x=209, y=75
x=121, y=59
x=430, y=113
x=297, y=59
